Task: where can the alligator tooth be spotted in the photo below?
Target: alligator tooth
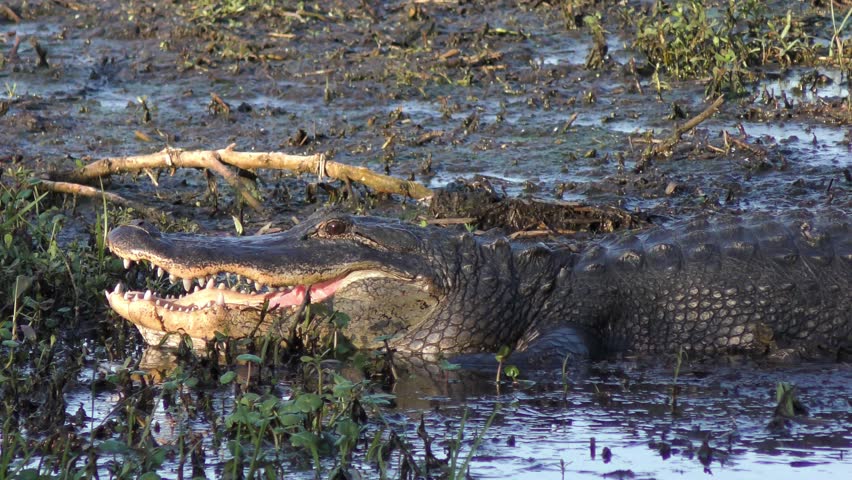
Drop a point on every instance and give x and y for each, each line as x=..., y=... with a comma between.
x=106, y=294
x=221, y=299
x=210, y=283
x=127, y=296
x=148, y=295
x=173, y=278
x=187, y=284
x=221, y=286
x=234, y=288
x=118, y=288
x=160, y=272
x=258, y=286
x=169, y=306
x=127, y=263
x=196, y=289
x=158, y=302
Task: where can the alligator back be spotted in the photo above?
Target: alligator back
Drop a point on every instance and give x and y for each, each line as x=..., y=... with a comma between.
x=717, y=285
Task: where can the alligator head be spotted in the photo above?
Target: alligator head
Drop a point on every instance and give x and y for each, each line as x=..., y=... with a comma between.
x=369, y=268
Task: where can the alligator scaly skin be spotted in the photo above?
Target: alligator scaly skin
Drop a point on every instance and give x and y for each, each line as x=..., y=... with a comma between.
x=708, y=286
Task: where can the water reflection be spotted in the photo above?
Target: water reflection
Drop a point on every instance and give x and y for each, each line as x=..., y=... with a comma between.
x=608, y=418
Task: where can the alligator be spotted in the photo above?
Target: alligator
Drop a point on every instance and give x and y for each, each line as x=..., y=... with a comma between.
x=709, y=286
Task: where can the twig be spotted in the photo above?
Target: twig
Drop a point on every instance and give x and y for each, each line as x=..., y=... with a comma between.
x=666, y=146
x=540, y=233
x=86, y=191
x=753, y=149
x=9, y=13
x=451, y=221
x=570, y=121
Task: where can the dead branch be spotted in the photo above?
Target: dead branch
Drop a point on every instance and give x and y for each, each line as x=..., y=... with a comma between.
x=540, y=233
x=215, y=160
x=753, y=149
x=451, y=221
x=9, y=13
x=86, y=191
x=665, y=146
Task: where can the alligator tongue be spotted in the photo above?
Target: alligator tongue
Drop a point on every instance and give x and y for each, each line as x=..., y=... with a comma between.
x=296, y=295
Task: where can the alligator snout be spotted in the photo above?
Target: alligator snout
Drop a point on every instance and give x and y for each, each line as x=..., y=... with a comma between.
x=133, y=232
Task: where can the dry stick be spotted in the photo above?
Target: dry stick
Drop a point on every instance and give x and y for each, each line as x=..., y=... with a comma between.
x=234, y=181
x=317, y=164
x=77, y=189
x=540, y=233
x=177, y=158
x=753, y=149
x=9, y=13
x=693, y=122
x=166, y=158
x=451, y=221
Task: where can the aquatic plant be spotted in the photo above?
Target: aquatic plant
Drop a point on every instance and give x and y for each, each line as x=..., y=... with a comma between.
x=689, y=39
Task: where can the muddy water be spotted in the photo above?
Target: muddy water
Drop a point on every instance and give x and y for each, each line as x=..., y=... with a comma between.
x=626, y=409
x=369, y=90
x=608, y=419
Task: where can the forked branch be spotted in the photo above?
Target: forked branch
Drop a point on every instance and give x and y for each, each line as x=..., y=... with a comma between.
x=216, y=160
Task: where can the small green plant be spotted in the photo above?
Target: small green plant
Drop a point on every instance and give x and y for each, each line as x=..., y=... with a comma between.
x=312, y=422
x=513, y=372
x=836, y=44
x=457, y=471
x=689, y=40
x=565, y=385
x=501, y=356
x=11, y=90
x=788, y=403
x=675, y=388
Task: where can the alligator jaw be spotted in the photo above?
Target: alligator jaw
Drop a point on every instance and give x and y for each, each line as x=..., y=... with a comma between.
x=213, y=307
x=362, y=266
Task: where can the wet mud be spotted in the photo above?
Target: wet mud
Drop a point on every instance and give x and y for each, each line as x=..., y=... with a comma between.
x=437, y=91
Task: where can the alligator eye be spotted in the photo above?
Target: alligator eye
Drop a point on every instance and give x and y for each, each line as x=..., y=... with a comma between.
x=334, y=227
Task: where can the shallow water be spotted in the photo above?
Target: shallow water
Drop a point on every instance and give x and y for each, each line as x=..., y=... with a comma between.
x=622, y=406
x=728, y=406
x=509, y=124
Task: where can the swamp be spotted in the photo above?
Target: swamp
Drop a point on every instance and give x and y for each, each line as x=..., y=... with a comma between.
x=641, y=112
